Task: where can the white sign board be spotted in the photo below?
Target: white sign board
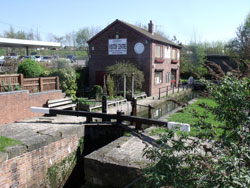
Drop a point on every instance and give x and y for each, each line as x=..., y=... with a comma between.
x=117, y=46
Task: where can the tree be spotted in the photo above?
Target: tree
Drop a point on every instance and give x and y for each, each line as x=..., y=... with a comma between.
x=82, y=36
x=192, y=60
x=217, y=156
x=126, y=68
x=10, y=33
x=240, y=46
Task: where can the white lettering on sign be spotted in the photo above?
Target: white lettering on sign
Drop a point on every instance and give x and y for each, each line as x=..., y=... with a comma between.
x=117, y=46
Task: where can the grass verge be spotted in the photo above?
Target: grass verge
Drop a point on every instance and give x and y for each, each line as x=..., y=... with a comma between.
x=187, y=115
x=5, y=142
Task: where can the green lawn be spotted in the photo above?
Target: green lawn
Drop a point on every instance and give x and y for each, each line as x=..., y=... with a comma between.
x=5, y=142
x=187, y=115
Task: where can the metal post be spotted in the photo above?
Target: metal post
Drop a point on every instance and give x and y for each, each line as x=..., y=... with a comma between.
x=104, y=104
x=173, y=90
x=104, y=85
x=27, y=50
x=133, y=80
x=134, y=107
x=178, y=88
x=119, y=113
x=167, y=91
x=150, y=111
x=77, y=104
x=89, y=119
x=138, y=126
x=124, y=87
x=159, y=93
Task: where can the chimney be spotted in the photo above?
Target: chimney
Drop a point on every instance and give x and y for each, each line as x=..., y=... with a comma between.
x=151, y=27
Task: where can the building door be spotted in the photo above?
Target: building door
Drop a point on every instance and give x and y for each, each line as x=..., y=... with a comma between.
x=173, y=77
x=99, y=78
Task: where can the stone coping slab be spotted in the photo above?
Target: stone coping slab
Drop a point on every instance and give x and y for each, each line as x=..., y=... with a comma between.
x=38, y=132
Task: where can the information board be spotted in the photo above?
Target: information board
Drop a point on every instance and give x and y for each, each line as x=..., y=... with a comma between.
x=117, y=47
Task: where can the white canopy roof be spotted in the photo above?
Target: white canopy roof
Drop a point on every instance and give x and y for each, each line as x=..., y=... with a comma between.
x=8, y=42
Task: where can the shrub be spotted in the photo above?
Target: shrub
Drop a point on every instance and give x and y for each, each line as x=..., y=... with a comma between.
x=110, y=84
x=67, y=79
x=96, y=92
x=30, y=69
x=61, y=63
x=82, y=76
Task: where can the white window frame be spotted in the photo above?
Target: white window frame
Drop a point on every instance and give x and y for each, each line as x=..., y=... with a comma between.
x=161, y=51
x=158, y=79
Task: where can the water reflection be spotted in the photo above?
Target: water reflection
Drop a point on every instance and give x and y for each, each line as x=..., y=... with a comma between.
x=168, y=106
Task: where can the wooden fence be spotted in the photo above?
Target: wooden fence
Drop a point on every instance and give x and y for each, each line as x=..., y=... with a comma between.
x=11, y=81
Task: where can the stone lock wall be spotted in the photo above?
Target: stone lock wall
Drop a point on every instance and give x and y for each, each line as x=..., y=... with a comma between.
x=48, y=166
x=16, y=105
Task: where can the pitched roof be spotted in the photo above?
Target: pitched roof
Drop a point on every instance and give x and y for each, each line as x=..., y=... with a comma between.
x=154, y=36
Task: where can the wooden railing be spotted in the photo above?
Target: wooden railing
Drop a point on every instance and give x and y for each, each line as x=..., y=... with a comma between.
x=167, y=89
x=31, y=84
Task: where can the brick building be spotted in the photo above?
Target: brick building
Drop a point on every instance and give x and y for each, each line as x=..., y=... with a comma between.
x=156, y=56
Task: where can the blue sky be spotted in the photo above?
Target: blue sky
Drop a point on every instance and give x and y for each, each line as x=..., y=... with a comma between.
x=200, y=20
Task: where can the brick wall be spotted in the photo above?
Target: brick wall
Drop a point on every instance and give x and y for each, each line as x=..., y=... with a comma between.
x=16, y=105
x=165, y=66
x=30, y=169
x=100, y=60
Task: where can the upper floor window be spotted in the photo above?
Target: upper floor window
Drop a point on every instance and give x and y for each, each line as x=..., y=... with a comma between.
x=174, y=54
x=158, y=51
x=167, y=52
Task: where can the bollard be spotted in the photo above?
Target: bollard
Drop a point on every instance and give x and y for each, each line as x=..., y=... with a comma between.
x=178, y=88
x=167, y=91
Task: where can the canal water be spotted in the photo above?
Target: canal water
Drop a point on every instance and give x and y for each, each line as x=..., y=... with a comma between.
x=167, y=107
x=76, y=179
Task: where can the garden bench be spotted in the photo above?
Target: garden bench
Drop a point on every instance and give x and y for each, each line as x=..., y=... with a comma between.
x=61, y=104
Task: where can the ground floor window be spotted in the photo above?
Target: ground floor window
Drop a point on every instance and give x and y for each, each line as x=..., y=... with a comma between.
x=158, y=77
x=168, y=77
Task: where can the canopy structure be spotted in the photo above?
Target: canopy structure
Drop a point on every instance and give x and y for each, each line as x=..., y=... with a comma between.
x=20, y=43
